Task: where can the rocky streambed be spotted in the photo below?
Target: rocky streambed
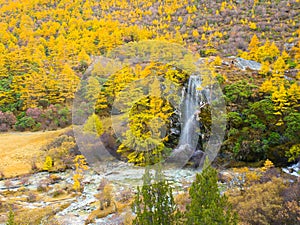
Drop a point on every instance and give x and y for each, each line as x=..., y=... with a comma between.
x=27, y=192
x=45, y=190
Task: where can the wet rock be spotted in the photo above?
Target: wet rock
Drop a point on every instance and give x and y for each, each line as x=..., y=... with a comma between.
x=180, y=155
x=198, y=158
x=175, y=131
x=110, y=144
x=293, y=170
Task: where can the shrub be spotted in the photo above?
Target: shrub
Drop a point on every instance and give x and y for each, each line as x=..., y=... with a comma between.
x=56, y=116
x=34, y=113
x=64, y=116
x=7, y=120
x=54, y=178
x=24, y=181
x=48, y=164
x=42, y=188
x=3, y=127
x=260, y=203
x=105, y=196
x=93, y=125
x=11, y=218
x=126, y=195
x=33, y=165
x=289, y=214
x=31, y=197
x=102, y=184
x=57, y=193
x=77, y=185
x=182, y=200
x=128, y=218
x=81, y=166
x=24, y=123
x=293, y=153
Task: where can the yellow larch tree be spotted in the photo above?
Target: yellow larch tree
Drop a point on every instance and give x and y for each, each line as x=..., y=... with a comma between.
x=253, y=47
x=68, y=82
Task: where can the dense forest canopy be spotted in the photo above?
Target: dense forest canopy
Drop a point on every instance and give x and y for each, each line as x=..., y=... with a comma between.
x=120, y=85
x=46, y=46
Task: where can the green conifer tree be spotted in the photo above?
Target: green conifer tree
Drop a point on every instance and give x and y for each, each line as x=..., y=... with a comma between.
x=208, y=206
x=93, y=125
x=154, y=203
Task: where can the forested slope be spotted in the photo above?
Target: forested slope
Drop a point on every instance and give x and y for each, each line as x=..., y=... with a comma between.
x=46, y=46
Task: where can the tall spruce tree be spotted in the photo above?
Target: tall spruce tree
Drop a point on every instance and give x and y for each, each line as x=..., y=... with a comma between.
x=208, y=206
x=154, y=203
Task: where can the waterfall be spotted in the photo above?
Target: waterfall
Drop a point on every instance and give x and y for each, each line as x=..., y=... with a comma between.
x=192, y=101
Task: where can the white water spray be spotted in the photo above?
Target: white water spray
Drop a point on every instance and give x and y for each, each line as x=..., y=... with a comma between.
x=191, y=106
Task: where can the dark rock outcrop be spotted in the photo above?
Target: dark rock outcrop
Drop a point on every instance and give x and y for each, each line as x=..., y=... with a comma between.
x=198, y=158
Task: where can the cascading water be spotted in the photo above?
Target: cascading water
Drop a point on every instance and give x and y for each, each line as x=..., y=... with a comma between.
x=191, y=106
x=191, y=103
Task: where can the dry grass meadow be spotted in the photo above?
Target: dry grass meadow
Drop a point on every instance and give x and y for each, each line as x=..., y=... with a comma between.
x=18, y=150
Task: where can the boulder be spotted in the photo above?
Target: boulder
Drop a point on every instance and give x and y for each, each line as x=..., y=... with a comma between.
x=244, y=64
x=180, y=155
x=198, y=158
x=225, y=177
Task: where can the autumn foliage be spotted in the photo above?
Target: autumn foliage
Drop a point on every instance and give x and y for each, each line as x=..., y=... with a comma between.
x=46, y=46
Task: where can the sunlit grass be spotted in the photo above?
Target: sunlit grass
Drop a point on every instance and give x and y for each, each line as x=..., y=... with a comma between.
x=17, y=150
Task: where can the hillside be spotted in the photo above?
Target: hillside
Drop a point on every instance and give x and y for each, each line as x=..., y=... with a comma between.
x=92, y=92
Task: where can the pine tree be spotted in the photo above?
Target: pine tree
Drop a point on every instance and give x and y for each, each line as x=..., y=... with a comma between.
x=93, y=125
x=93, y=89
x=154, y=203
x=207, y=206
